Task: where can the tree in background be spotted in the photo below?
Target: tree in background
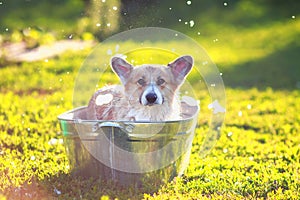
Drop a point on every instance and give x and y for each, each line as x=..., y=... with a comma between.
x=102, y=16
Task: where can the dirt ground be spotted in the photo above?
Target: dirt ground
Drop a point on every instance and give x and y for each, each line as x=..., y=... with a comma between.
x=17, y=52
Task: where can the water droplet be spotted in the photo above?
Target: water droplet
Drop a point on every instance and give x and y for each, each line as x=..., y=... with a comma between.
x=109, y=52
x=185, y=22
x=56, y=191
x=217, y=108
x=240, y=113
x=198, y=33
x=170, y=8
x=225, y=3
x=53, y=141
x=115, y=8
x=189, y=2
x=117, y=47
x=1, y=3
x=121, y=56
x=179, y=20
x=216, y=40
x=293, y=17
x=124, y=13
x=192, y=23
x=98, y=24
x=6, y=29
x=221, y=74
x=70, y=36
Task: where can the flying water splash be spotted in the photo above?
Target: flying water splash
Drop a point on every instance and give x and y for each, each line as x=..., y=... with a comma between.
x=204, y=65
x=192, y=23
x=216, y=107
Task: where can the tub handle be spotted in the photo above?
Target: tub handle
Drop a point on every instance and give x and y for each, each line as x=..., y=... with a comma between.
x=127, y=127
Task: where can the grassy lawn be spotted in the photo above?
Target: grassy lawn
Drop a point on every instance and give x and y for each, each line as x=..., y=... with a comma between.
x=257, y=155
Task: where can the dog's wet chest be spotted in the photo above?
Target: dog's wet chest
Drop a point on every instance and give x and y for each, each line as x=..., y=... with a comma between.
x=146, y=113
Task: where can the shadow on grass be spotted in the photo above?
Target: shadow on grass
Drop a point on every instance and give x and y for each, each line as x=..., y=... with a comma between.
x=65, y=186
x=280, y=70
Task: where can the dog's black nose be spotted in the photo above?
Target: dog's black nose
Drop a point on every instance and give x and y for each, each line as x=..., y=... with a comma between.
x=151, y=97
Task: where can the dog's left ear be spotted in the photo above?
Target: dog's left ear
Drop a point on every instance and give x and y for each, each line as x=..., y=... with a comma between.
x=122, y=68
x=181, y=67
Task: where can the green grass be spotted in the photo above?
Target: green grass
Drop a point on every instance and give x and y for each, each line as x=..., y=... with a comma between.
x=257, y=155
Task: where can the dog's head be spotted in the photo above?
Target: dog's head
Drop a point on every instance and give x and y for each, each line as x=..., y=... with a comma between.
x=149, y=84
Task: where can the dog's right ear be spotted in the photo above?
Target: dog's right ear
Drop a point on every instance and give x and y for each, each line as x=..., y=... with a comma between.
x=121, y=68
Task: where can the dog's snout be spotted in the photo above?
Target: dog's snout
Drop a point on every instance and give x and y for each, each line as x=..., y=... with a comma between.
x=151, y=97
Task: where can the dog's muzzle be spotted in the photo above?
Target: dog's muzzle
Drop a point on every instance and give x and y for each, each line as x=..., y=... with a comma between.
x=151, y=96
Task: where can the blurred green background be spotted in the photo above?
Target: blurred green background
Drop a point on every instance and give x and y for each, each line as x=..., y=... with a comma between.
x=254, y=43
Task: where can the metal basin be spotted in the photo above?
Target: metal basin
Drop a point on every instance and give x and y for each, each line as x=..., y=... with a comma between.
x=129, y=153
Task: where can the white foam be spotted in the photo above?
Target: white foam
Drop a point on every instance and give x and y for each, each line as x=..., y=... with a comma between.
x=104, y=99
x=189, y=100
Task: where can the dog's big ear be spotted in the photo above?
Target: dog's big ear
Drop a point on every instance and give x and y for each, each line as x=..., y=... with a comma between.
x=181, y=67
x=121, y=68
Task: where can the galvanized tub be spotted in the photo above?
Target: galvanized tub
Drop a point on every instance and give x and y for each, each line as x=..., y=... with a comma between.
x=129, y=153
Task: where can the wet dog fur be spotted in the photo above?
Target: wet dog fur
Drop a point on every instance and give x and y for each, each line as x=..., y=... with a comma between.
x=148, y=92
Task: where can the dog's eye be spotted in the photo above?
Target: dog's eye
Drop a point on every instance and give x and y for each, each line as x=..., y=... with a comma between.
x=160, y=81
x=141, y=82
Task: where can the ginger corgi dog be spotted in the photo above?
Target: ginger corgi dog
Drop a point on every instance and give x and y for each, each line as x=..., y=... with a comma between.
x=148, y=92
